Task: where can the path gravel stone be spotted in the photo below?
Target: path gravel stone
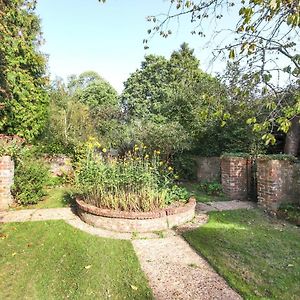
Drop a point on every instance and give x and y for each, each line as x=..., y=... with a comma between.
x=200, y=219
x=223, y=205
x=232, y=205
x=204, y=207
x=37, y=215
x=175, y=271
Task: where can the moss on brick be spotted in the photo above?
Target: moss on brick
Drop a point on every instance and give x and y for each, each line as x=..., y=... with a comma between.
x=238, y=154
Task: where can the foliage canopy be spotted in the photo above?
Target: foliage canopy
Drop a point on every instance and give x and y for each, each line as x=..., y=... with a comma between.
x=23, y=82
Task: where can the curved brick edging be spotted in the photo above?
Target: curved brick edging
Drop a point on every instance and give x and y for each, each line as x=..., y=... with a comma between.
x=136, y=221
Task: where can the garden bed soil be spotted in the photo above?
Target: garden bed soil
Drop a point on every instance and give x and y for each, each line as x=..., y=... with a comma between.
x=123, y=221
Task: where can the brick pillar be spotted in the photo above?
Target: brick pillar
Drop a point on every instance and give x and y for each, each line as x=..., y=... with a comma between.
x=234, y=175
x=274, y=180
x=6, y=181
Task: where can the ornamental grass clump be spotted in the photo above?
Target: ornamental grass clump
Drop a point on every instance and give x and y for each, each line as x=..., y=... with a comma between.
x=136, y=181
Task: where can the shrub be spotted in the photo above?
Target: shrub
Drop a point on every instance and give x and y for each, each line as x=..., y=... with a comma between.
x=185, y=165
x=211, y=188
x=31, y=177
x=290, y=212
x=137, y=181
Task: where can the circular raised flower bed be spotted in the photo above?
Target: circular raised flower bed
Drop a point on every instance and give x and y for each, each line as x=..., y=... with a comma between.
x=123, y=221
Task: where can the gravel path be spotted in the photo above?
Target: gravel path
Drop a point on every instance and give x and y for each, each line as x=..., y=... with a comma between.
x=174, y=269
x=223, y=205
x=25, y=215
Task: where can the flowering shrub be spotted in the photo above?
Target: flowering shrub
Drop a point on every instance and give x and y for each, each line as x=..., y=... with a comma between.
x=137, y=181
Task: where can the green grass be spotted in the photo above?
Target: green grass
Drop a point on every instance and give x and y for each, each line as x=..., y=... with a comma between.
x=195, y=190
x=52, y=260
x=59, y=196
x=56, y=197
x=257, y=255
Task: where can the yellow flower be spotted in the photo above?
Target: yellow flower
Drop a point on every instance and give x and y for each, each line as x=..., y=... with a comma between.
x=145, y=147
x=170, y=168
x=104, y=150
x=146, y=156
x=161, y=163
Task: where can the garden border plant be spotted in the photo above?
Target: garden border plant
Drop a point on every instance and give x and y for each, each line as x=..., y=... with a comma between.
x=137, y=185
x=31, y=175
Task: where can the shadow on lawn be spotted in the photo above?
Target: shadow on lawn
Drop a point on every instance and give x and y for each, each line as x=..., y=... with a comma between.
x=256, y=254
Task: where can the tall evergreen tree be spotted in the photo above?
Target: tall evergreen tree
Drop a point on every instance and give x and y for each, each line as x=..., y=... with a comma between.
x=22, y=70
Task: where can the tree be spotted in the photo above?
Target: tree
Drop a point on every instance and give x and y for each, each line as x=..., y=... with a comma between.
x=90, y=89
x=87, y=106
x=22, y=70
x=146, y=88
x=265, y=42
x=262, y=28
x=69, y=122
x=171, y=95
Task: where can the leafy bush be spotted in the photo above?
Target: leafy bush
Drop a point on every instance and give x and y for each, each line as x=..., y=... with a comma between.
x=185, y=166
x=31, y=177
x=290, y=212
x=177, y=193
x=137, y=181
x=11, y=148
x=211, y=188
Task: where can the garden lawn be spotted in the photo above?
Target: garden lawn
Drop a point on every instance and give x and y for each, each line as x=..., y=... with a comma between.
x=195, y=190
x=257, y=255
x=52, y=260
x=56, y=197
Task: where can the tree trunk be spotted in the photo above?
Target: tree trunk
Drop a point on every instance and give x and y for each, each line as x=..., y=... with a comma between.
x=293, y=137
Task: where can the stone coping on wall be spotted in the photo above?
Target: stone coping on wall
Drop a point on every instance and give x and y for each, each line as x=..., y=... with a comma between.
x=121, y=221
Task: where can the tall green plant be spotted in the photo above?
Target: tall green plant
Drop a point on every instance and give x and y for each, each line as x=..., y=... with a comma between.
x=136, y=181
x=22, y=70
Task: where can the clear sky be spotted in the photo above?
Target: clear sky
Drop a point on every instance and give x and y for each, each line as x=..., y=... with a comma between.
x=83, y=35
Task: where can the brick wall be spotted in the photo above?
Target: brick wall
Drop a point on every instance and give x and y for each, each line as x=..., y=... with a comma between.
x=6, y=181
x=235, y=177
x=277, y=181
x=59, y=164
x=295, y=191
x=208, y=168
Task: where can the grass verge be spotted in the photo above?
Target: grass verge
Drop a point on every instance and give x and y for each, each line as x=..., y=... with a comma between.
x=52, y=260
x=257, y=255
